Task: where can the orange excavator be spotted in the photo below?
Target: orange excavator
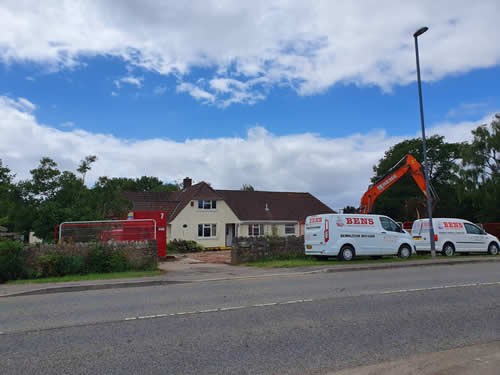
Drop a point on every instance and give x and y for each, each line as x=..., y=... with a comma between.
x=406, y=165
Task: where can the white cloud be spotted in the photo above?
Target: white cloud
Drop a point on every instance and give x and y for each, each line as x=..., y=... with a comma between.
x=68, y=124
x=309, y=46
x=196, y=92
x=468, y=109
x=131, y=80
x=458, y=132
x=160, y=90
x=336, y=170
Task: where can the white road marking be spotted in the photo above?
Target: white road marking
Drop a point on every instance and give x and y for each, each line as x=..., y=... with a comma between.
x=438, y=287
x=220, y=309
x=230, y=308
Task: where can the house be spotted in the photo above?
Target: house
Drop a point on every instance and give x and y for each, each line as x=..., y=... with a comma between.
x=213, y=217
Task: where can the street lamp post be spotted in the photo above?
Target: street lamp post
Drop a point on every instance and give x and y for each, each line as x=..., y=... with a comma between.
x=426, y=166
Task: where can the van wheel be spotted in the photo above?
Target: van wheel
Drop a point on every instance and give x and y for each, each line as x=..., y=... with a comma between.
x=448, y=249
x=404, y=252
x=493, y=249
x=346, y=253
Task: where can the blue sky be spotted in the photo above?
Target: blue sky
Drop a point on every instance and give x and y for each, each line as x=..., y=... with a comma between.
x=84, y=97
x=281, y=96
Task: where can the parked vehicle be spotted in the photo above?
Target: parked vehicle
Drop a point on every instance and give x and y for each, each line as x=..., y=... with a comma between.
x=453, y=236
x=350, y=235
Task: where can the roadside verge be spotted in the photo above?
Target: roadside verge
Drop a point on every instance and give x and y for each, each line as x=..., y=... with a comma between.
x=204, y=272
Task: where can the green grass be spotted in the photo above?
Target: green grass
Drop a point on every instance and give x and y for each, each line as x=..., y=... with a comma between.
x=305, y=261
x=90, y=276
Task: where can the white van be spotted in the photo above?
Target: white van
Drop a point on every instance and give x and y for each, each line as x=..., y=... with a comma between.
x=348, y=235
x=453, y=235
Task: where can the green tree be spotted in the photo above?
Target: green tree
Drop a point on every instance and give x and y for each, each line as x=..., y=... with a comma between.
x=85, y=165
x=44, y=179
x=247, y=187
x=107, y=201
x=6, y=178
x=349, y=210
x=481, y=172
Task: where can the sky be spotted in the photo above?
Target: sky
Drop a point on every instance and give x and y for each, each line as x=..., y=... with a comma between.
x=282, y=95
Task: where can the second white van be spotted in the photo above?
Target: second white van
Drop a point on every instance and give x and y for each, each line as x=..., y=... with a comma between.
x=453, y=236
x=348, y=235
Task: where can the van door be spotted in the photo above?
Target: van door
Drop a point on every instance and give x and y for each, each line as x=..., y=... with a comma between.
x=475, y=239
x=389, y=235
x=315, y=233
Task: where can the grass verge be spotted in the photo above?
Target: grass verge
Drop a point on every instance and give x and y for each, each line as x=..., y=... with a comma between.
x=305, y=261
x=90, y=276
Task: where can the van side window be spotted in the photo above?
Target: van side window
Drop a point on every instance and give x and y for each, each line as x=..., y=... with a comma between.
x=472, y=229
x=389, y=225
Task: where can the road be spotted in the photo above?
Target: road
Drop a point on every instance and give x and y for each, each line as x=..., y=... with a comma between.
x=288, y=325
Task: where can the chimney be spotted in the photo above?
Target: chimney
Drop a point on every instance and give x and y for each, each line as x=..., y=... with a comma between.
x=186, y=183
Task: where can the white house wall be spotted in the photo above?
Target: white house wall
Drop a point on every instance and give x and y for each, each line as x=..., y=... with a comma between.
x=268, y=229
x=191, y=216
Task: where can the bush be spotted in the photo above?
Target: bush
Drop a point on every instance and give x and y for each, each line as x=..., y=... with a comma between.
x=101, y=260
x=11, y=261
x=183, y=246
x=61, y=265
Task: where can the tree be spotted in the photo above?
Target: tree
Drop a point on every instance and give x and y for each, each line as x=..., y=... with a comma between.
x=85, y=165
x=44, y=179
x=107, y=200
x=6, y=178
x=247, y=187
x=349, y=210
x=481, y=172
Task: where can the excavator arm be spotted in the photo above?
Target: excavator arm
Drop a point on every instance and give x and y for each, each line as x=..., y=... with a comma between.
x=406, y=165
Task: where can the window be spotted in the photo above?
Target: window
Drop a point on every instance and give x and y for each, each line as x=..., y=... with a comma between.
x=389, y=225
x=256, y=230
x=289, y=229
x=472, y=229
x=207, y=205
x=207, y=230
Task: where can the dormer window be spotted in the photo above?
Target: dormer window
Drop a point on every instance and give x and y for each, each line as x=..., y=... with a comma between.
x=207, y=205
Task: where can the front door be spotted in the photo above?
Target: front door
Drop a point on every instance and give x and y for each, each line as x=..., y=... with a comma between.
x=229, y=234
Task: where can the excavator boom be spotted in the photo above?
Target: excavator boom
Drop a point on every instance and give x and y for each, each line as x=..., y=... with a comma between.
x=406, y=165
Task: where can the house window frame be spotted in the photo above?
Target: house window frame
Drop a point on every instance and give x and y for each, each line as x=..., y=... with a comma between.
x=294, y=229
x=207, y=204
x=212, y=227
x=251, y=230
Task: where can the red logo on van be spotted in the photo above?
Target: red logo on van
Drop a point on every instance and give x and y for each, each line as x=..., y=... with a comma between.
x=359, y=221
x=315, y=220
x=452, y=225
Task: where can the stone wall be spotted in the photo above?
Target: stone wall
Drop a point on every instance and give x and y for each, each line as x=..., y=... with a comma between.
x=249, y=249
x=140, y=254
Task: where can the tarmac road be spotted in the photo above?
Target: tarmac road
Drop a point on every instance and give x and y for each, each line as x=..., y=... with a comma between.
x=288, y=325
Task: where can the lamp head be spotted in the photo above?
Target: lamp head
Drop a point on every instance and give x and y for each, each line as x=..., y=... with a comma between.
x=420, y=31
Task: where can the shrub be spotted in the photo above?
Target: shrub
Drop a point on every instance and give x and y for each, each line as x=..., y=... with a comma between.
x=102, y=260
x=61, y=265
x=11, y=261
x=183, y=246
